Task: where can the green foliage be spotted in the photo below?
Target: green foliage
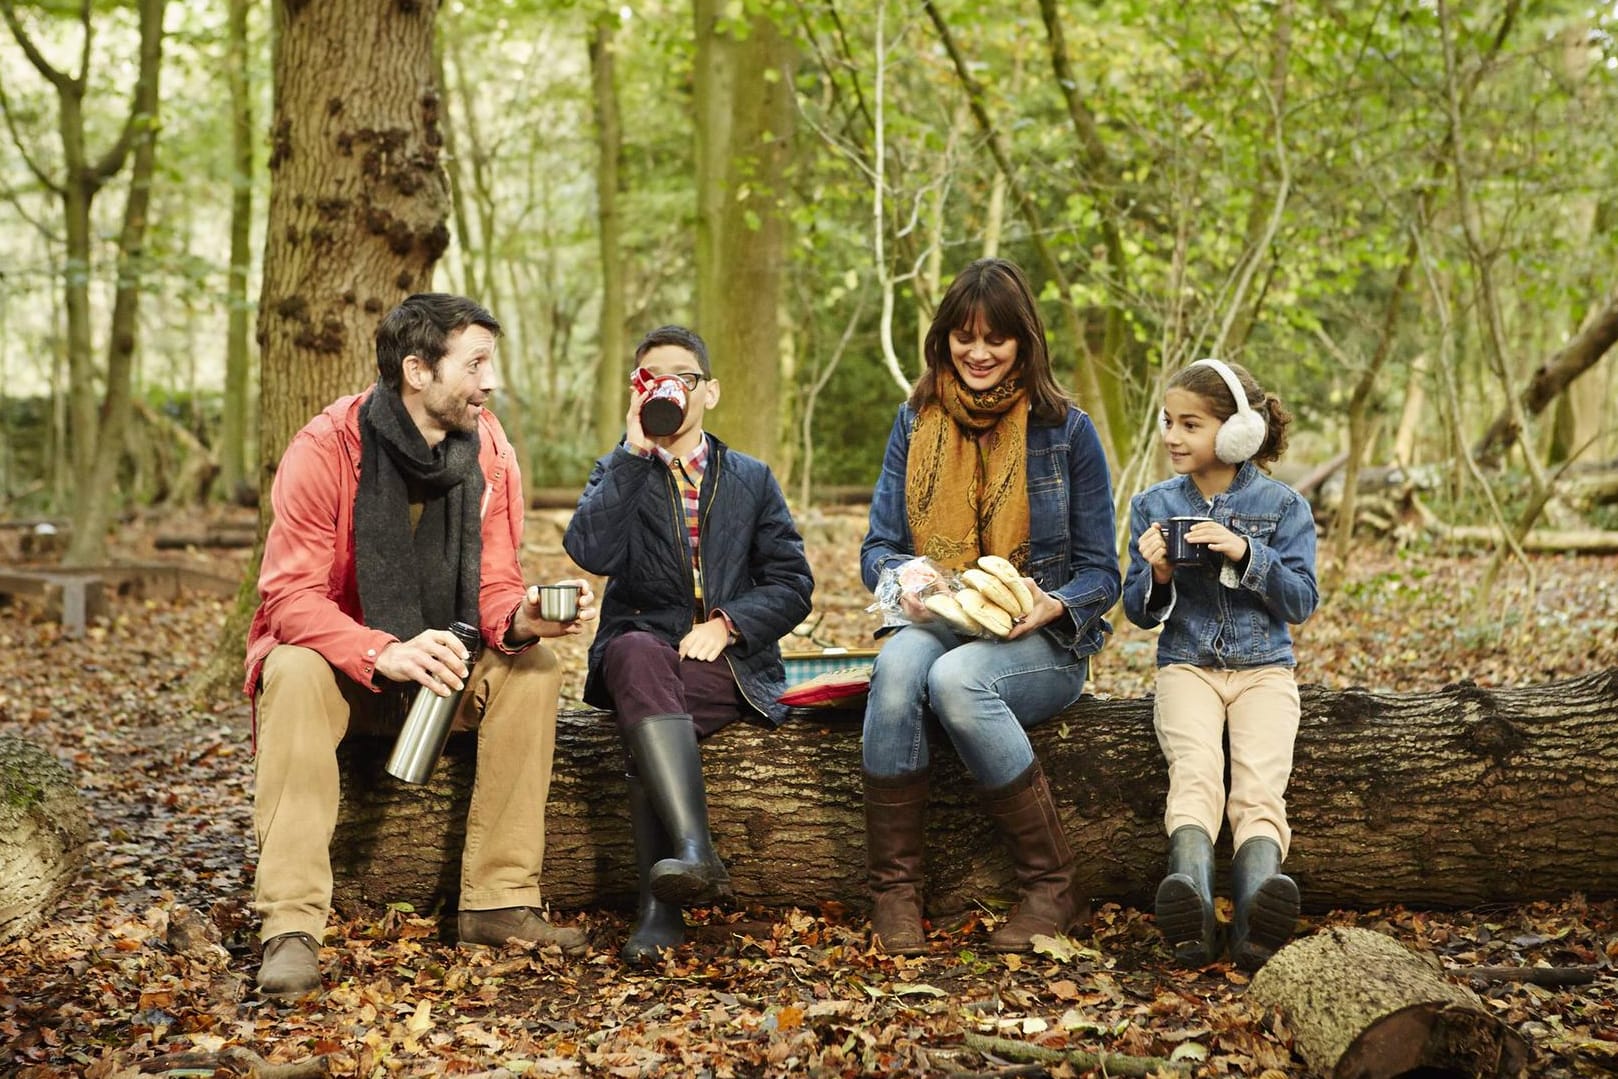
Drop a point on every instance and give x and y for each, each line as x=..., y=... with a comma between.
x=1197, y=116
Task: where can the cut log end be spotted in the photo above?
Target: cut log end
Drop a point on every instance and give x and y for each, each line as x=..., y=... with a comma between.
x=44, y=834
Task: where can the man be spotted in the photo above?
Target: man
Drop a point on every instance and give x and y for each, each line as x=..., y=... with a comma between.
x=397, y=512
x=707, y=574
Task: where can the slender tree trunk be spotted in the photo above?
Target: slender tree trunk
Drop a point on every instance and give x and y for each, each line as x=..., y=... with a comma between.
x=94, y=500
x=233, y=433
x=745, y=115
x=80, y=181
x=1103, y=185
x=612, y=353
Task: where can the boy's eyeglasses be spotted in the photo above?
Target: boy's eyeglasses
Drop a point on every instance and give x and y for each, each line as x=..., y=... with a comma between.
x=690, y=379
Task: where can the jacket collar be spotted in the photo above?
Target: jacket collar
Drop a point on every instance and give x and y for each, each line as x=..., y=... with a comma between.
x=1246, y=473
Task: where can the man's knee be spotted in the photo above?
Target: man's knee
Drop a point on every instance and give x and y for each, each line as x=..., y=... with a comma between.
x=291, y=665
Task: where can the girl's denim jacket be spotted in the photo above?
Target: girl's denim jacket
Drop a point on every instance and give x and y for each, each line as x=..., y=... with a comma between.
x=1071, y=552
x=1230, y=616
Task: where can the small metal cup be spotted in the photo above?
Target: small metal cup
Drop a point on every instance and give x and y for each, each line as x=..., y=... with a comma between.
x=558, y=602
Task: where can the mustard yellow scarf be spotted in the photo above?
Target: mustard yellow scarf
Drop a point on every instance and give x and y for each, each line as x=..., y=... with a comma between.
x=979, y=440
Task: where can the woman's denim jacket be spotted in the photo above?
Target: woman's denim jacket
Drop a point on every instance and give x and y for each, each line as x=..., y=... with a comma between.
x=1071, y=553
x=1228, y=616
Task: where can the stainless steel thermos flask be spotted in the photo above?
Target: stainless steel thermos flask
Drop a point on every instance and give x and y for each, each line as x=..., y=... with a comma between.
x=426, y=726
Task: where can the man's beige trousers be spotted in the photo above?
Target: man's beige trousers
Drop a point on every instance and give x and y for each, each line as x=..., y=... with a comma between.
x=305, y=708
x=1259, y=707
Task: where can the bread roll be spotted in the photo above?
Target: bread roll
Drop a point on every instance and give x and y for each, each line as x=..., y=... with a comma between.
x=947, y=607
x=992, y=618
x=993, y=590
x=1008, y=576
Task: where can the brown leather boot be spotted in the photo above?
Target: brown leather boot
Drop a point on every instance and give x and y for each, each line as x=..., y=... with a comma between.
x=492, y=928
x=1026, y=815
x=895, y=808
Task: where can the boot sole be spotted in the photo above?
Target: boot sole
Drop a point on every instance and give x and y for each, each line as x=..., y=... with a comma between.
x=1271, y=921
x=689, y=888
x=1186, y=922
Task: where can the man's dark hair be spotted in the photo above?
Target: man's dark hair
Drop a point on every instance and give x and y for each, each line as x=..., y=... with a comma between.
x=421, y=326
x=680, y=337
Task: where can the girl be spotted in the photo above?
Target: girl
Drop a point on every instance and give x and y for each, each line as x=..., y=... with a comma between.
x=988, y=457
x=1225, y=654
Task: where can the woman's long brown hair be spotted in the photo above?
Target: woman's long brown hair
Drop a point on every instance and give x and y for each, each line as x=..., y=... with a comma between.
x=998, y=288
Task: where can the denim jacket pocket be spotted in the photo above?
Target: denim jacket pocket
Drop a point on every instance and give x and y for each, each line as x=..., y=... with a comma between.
x=1259, y=526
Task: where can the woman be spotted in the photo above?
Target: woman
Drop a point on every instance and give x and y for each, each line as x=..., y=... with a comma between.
x=988, y=457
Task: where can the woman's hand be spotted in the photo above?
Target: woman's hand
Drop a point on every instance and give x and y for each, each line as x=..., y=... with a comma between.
x=1047, y=609
x=914, y=609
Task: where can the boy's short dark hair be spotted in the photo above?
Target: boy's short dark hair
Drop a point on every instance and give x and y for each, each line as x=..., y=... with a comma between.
x=678, y=336
x=421, y=326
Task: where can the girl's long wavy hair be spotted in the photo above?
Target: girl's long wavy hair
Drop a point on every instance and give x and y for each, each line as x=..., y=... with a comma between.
x=999, y=289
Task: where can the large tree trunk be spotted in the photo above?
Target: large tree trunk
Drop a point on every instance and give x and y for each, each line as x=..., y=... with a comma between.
x=358, y=200
x=1454, y=798
x=744, y=101
x=1361, y=1004
x=44, y=833
x=358, y=214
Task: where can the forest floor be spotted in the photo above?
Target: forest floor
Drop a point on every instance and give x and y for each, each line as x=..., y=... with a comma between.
x=125, y=978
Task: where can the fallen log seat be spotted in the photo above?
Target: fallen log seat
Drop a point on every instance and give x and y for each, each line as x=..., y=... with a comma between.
x=1451, y=798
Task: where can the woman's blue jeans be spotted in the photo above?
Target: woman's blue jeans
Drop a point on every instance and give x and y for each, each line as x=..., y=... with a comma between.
x=983, y=694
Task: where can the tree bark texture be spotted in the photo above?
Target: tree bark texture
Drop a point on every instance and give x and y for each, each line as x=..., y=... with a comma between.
x=1446, y=799
x=742, y=85
x=1361, y=1004
x=44, y=835
x=359, y=202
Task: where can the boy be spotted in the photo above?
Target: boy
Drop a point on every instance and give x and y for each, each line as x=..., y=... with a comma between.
x=707, y=573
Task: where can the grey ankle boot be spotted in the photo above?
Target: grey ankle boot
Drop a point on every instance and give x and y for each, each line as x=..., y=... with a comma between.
x=1266, y=903
x=1185, y=906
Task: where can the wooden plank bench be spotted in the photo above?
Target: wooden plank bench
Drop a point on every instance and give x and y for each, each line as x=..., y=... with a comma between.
x=71, y=597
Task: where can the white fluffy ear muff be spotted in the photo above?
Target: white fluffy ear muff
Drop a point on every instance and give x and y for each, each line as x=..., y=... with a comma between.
x=1243, y=434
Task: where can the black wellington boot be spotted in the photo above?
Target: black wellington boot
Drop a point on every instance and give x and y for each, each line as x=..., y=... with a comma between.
x=1185, y=906
x=659, y=925
x=670, y=768
x=1266, y=903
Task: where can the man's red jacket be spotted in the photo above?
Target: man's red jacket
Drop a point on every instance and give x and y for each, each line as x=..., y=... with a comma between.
x=308, y=592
